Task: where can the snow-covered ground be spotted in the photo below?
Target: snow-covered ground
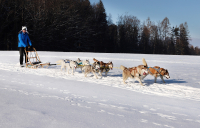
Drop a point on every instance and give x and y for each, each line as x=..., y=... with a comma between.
x=50, y=98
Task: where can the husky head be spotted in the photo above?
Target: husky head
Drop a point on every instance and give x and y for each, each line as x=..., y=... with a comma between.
x=96, y=65
x=78, y=60
x=143, y=70
x=66, y=60
x=110, y=65
x=73, y=64
x=165, y=73
x=86, y=62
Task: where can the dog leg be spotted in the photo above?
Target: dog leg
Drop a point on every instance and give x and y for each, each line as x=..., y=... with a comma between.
x=72, y=71
x=81, y=70
x=85, y=74
x=68, y=70
x=124, y=82
x=162, y=79
x=124, y=78
x=61, y=67
x=106, y=73
x=138, y=79
x=143, y=77
x=100, y=72
x=155, y=78
x=94, y=74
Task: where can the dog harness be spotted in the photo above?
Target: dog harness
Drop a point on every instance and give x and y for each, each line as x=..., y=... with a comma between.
x=94, y=68
x=136, y=70
x=66, y=61
x=106, y=68
x=158, y=70
x=80, y=63
x=69, y=63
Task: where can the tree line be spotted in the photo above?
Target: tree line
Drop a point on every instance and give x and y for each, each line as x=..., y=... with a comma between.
x=79, y=26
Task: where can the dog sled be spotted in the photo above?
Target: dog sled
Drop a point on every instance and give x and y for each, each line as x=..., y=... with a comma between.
x=33, y=60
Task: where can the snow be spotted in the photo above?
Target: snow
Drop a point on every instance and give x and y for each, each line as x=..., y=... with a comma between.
x=50, y=98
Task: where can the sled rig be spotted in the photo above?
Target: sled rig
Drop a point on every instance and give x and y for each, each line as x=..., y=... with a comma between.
x=33, y=60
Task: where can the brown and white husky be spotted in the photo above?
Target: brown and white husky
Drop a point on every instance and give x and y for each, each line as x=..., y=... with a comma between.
x=135, y=72
x=156, y=71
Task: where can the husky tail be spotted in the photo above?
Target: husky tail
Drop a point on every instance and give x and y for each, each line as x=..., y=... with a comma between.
x=122, y=67
x=59, y=61
x=95, y=60
x=144, y=62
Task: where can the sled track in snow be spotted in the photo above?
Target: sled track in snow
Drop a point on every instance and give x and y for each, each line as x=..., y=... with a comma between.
x=114, y=79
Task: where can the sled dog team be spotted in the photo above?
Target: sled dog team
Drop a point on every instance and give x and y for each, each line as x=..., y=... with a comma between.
x=138, y=73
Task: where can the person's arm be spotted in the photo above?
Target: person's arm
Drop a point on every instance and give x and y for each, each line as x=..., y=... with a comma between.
x=20, y=40
x=29, y=41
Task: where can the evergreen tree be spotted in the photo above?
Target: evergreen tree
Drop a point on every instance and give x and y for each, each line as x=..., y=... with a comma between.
x=122, y=38
x=177, y=41
x=154, y=39
x=144, y=40
x=171, y=43
x=131, y=26
x=100, y=27
x=112, y=43
x=184, y=39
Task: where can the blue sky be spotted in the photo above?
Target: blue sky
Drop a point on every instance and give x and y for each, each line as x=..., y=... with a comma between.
x=178, y=11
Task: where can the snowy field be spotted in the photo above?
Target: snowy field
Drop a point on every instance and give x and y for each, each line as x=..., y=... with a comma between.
x=50, y=98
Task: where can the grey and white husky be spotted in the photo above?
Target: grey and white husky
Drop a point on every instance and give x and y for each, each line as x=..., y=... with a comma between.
x=69, y=64
x=82, y=63
x=91, y=68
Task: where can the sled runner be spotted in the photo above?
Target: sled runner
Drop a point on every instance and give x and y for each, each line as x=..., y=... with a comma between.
x=33, y=60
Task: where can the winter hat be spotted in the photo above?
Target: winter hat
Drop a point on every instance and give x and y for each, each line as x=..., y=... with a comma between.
x=24, y=28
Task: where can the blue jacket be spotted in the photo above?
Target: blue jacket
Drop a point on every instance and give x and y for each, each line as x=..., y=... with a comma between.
x=22, y=40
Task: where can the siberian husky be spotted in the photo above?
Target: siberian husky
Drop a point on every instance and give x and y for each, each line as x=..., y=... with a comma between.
x=157, y=71
x=69, y=64
x=134, y=72
x=104, y=67
x=82, y=63
x=91, y=68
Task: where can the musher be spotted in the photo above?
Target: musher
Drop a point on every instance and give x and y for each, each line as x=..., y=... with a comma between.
x=23, y=38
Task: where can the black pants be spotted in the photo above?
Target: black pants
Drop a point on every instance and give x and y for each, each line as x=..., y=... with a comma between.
x=22, y=53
